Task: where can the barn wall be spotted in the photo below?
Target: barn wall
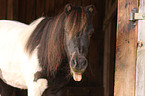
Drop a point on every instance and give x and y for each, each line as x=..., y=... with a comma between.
x=8, y=9
x=109, y=28
x=28, y=10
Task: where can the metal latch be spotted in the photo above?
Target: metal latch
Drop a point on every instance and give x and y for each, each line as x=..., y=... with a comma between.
x=136, y=16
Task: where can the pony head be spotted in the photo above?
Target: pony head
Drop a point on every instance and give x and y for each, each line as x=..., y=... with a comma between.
x=63, y=39
x=78, y=30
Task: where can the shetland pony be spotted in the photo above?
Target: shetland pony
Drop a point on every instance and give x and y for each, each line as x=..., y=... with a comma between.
x=46, y=53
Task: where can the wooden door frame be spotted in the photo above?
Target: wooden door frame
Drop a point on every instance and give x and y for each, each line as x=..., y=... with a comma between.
x=126, y=46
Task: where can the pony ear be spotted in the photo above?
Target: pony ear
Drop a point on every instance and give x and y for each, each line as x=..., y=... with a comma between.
x=68, y=8
x=90, y=9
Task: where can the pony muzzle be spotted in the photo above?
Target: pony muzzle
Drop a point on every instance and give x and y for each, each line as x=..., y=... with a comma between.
x=78, y=65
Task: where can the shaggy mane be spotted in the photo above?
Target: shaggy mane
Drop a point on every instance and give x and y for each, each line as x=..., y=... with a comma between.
x=49, y=37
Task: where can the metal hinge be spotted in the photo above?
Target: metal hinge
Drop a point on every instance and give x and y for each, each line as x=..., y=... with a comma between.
x=136, y=16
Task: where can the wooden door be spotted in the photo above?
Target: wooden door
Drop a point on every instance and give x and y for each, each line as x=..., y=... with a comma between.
x=140, y=65
x=126, y=45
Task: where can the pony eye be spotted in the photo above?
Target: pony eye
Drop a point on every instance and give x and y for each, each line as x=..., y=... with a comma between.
x=90, y=33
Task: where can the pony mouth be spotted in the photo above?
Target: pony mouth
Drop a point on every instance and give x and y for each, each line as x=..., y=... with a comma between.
x=76, y=72
x=77, y=76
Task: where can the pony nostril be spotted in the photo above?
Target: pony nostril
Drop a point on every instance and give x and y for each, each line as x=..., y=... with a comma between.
x=73, y=63
x=79, y=64
x=84, y=63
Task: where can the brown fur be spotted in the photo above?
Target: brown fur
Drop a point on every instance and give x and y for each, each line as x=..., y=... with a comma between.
x=76, y=21
x=49, y=35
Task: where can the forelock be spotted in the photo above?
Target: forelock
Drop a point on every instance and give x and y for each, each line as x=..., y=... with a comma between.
x=76, y=21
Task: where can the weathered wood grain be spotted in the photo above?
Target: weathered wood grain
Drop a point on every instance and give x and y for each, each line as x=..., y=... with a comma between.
x=140, y=66
x=10, y=9
x=16, y=9
x=40, y=8
x=109, y=28
x=3, y=7
x=22, y=10
x=126, y=44
x=31, y=10
x=50, y=7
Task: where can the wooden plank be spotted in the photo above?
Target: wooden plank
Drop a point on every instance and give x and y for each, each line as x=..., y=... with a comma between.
x=40, y=8
x=109, y=49
x=3, y=9
x=140, y=66
x=59, y=6
x=86, y=2
x=22, y=11
x=93, y=76
x=30, y=10
x=50, y=8
x=16, y=9
x=99, y=14
x=110, y=14
x=10, y=9
x=126, y=42
x=107, y=59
